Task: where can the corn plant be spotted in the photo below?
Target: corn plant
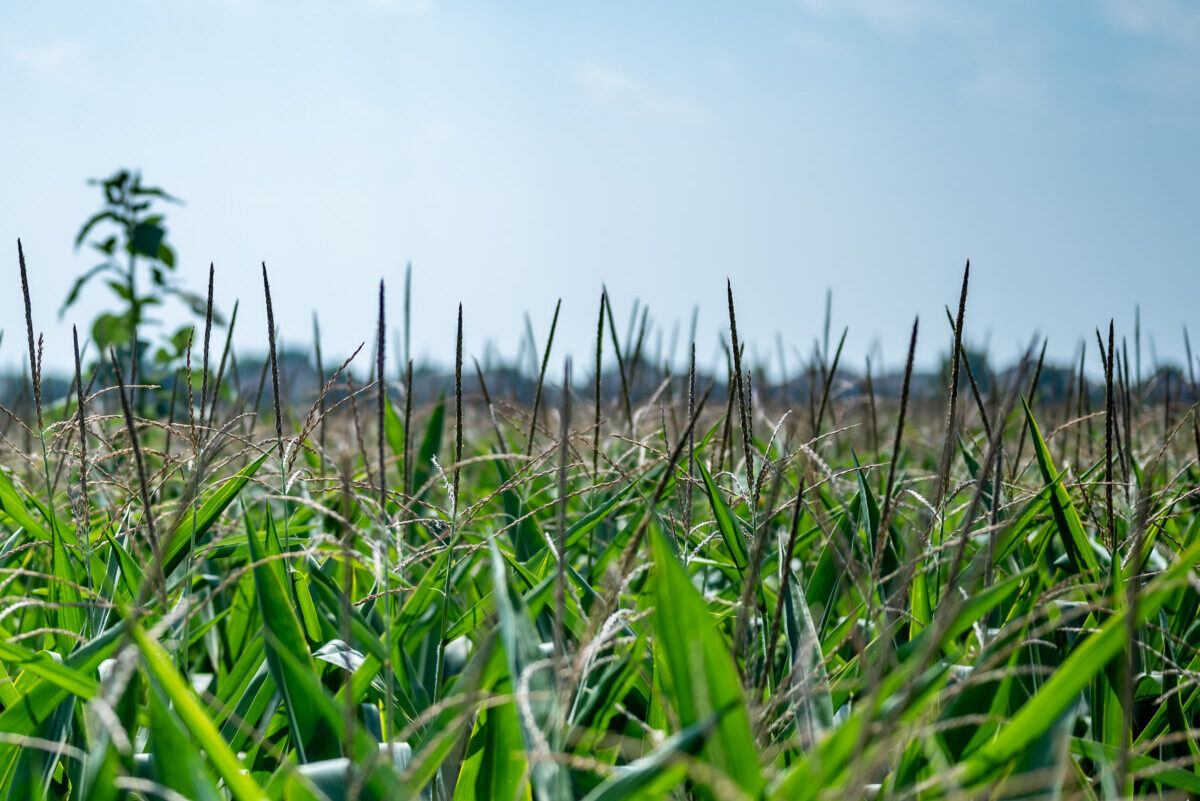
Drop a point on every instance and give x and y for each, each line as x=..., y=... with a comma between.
x=436, y=593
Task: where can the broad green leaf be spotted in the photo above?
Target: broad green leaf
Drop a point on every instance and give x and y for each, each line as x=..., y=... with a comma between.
x=726, y=522
x=65, y=592
x=282, y=633
x=47, y=667
x=195, y=718
x=1079, y=549
x=523, y=533
x=431, y=445
x=522, y=648
x=1063, y=687
x=394, y=432
x=700, y=675
x=656, y=774
x=178, y=765
x=494, y=765
x=813, y=708
x=1163, y=773
x=10, y=502
x=41, y=696
x=197, y=523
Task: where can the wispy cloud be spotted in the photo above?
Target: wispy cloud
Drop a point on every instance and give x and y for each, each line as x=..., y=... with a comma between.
x=59, y=60
x=615, y=87
x=1009, y=73
x=415, y=7
x=1167, y=73
x=810, y=43
x=901, y=16
x=1172, y=20
x=408, y=7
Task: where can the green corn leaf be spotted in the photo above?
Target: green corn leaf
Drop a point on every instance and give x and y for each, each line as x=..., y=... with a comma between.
x=1085, y=661
x=1163, y=773
x=178, y=765
x=65, y=593
x=494, y=766
x=44, y=665
x=393, y=428
x=196, y=720
x=813, y=707
x=197, y=523
x=431, y=445
x=14, y=508
x=726, y=522
x=1079, y=549
x=656, y=774
x=700, y=675
x=41, y=696
x=522, y=648
x=522, y=529
x=282, y=633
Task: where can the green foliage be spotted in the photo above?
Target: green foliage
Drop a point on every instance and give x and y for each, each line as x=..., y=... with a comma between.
x=531, y=643
x=129, y=234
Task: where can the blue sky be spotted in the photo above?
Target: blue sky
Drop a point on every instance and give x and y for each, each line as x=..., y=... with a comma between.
x=517, y=153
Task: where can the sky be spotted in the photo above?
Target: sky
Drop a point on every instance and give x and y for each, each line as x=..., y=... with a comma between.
x=517, y=153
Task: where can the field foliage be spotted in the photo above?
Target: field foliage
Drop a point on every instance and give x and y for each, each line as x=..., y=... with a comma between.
x=691, y=593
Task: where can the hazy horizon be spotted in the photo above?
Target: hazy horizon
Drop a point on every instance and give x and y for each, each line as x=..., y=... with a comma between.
x=521, y=154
